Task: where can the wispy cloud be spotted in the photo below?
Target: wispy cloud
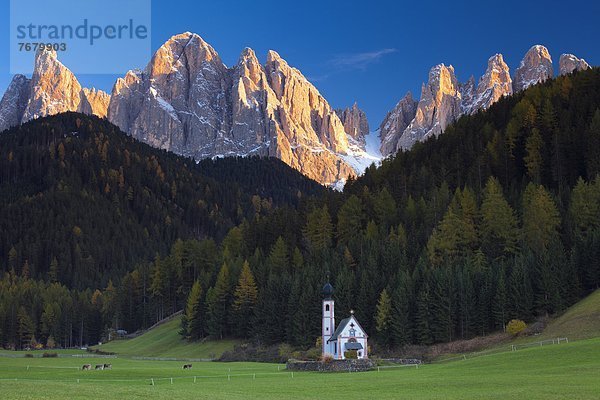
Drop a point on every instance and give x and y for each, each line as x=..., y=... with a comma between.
x=358, y=60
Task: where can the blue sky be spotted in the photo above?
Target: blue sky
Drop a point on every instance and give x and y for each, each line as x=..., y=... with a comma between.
x=371, y=51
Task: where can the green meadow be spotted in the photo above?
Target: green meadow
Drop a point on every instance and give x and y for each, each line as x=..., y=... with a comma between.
x=551, y=372
x=165, y=341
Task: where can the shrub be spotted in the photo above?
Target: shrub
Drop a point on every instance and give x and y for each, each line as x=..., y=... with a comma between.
x=285, y=351
x=326, y=359
x=351, y=354
x=50, y=343
x=515, y=326
x=49, y=355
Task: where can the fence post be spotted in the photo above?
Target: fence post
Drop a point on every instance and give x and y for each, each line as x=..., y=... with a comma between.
x=171, y=381
x=152, y=379
x=194, y=379
x=254, y=376
x=228, y=377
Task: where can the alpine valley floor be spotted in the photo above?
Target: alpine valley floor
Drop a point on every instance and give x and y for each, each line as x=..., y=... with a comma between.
x=550, y=372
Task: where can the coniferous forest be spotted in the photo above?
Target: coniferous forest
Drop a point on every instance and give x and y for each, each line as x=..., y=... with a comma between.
x=497, y=218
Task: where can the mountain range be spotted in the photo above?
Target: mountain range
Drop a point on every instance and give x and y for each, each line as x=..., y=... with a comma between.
x=186, y=100
x=444, y=99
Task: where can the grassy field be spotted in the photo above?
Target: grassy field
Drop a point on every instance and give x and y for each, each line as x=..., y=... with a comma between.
x=165, y=341
x=551, y=372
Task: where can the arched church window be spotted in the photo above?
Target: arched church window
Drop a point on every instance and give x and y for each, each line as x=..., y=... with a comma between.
x=326, y=307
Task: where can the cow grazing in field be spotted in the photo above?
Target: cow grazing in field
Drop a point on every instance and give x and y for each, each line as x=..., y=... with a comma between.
x=99, y=366
x=187, y=366
x=107, y=366
x=86, y=367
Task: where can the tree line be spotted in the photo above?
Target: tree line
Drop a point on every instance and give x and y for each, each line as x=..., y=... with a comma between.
x=498, y=218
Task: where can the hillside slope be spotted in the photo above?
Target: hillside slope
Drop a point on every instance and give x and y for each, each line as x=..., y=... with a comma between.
x=164, y=341
x=78, y=193
x=581, y=321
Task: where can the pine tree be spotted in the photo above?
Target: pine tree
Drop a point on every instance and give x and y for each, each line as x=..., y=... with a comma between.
x=499, y=306
x=423, y=317
x=350, y=220
x=192, y=321
x=26, y=328
x=401, y=317
x=278, y=258
x=499, y=230
x=533, y=160
x=218, y=305
x=245, y=297
x=383, y=318
x=318, y=230
x=541, y=218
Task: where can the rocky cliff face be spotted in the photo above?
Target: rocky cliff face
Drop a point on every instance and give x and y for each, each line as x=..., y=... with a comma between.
x=535, y=67
x=355, y=123
x=440, y=105
x=179, y=102
x=569, y=63
x=14, y=102
x=52, y=89
x=443, y=99
x=493, y=85
x=395, y=122
x=187, y=101
x=94, y=102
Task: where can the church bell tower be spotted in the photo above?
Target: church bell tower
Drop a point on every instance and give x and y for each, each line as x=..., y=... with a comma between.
x=328, y=325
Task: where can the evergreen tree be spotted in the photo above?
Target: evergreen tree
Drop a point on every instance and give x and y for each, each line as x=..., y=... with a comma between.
x=192, y=321
x=245, y=297
x=401, y=317
x=540, y=218
x=350, y=220
x=217, y=303
x=383, y=318
x=499, y=230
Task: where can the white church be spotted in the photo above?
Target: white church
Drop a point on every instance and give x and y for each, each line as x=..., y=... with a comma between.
x=349, y=335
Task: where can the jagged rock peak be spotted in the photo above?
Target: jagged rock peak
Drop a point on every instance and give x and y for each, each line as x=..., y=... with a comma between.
x=440, y=105
x=14, y=102
x=535, y=67
x=395, y=122
x=94, y=102
x=493, y=85
x=187, y=101
x=54, y=88
x=569, y=63
x=355, y=122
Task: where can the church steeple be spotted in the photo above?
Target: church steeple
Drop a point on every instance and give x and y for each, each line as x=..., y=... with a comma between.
x=328, y=325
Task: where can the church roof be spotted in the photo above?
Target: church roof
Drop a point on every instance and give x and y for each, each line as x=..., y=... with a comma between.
x=339, y=329
x=353, y=346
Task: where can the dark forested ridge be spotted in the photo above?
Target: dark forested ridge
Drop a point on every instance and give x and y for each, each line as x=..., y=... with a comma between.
x=75, y=190
x=498, y=218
